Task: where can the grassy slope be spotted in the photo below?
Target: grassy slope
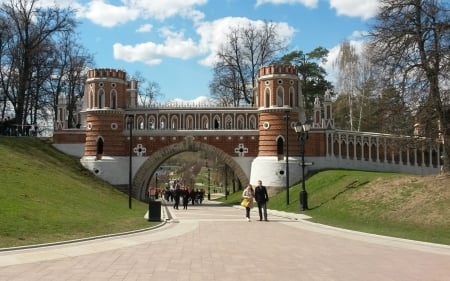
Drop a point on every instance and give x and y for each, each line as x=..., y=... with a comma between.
x=406, y=206
x=47, y=196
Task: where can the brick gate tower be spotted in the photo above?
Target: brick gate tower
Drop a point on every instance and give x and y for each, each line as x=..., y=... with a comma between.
x=107, y=94
x=280, y=103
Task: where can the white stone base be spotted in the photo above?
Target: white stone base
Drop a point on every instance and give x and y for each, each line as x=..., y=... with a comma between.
x=272, y=172
x=114, y=170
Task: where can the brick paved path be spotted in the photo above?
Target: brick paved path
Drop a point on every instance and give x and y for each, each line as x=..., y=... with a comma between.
x=213, y=242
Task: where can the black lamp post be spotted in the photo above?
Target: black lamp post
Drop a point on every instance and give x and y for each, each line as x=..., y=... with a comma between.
x=286, y=117
x=156, y=187
x=209, y=182
x=302, y=133
x=130, y=122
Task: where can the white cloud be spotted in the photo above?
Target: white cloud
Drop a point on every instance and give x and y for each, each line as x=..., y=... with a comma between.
x=175, y=46
x=163, y=9
x=201, y=100
x=356, y=8
x=307, y=3
x=213, y=34
x=145, y=28
x=109, y=15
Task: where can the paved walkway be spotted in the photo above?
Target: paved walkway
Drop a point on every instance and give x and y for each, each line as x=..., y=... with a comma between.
x=214, y=242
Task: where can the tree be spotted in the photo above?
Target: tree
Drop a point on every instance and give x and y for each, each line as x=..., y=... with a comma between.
x=69, y=66
x=410, y=40
x=246, y=50
x=5, y=34
x=225, y=87
x=31, y=28
x=356, y=79
x=346, y=64
x=149, y=91
x=311, y=74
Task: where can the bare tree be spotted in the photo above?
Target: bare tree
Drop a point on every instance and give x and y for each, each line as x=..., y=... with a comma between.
x=5, y=70
x=246, y=50
x=356, y=80
x=410, y=41
x=149, y=91
x=68, y=66
x=346, y=64
x=31, y=27
x=225, y=87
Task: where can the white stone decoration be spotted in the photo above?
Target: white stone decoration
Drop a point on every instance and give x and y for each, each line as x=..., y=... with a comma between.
x=241, y=150
x=140, y=150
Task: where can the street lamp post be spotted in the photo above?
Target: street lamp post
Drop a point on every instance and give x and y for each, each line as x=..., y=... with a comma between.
x=302, y=133
x=209, y=182
x=286, y=117
x=130, y=168
x=156, y=187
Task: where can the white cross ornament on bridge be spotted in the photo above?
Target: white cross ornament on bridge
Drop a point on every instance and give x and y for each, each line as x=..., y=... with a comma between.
x=241, y=150
x=140, y=150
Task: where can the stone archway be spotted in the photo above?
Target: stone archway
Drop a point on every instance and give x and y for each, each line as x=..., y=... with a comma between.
x=149, y=167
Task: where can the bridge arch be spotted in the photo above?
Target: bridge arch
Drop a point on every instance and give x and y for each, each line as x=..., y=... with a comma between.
x=149, y=167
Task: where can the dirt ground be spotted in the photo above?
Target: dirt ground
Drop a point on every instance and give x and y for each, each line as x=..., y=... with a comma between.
x=416, y=199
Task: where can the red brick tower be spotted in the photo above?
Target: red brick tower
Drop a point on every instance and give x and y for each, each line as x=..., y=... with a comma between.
x=280, y=104
x=107, y=94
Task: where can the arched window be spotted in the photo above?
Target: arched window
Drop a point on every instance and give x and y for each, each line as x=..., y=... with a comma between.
x=174, y=122
x=101, y=98
x=280, y=147
x=228, y=122
x=291, y=97
x=252, y=123
x=129, y=121
x=113, y=100
x=280, y=96
x=216, y=122
x=99, y=151
x=240, y=122
x=162, y=122
x=141, y=123
x=205, y=122
x=91, y=99
x=151, y=122
x=189, y=122
x=267, y=97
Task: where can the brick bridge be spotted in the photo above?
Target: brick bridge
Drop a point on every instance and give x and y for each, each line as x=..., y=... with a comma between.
x=252, y=141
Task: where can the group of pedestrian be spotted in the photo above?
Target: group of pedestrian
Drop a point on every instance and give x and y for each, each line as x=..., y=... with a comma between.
x=183, y=194
x=260, y=195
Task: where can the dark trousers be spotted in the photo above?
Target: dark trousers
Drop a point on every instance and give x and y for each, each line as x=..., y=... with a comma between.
x=262, y=209
x=247, y=212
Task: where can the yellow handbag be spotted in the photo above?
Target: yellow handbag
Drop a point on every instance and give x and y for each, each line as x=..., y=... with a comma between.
x=245, y=202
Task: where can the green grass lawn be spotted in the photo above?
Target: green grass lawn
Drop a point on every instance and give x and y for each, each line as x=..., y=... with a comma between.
x=405, y=206
x=47, y=196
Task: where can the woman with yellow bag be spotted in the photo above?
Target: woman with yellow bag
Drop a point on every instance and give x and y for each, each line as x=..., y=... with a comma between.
x=247, y=200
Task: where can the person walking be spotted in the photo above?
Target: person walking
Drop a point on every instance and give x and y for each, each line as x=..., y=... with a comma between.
x=248, y=194
x=185, y=196
x=177, y=195
x=261, y=198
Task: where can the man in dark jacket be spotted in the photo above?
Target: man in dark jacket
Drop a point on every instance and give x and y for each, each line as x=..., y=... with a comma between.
x=261, y=198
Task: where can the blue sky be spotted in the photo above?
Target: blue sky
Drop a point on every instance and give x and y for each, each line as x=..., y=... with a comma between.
x=172, y=42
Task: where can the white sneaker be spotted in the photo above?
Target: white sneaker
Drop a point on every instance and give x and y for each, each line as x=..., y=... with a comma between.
x=248, y=219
